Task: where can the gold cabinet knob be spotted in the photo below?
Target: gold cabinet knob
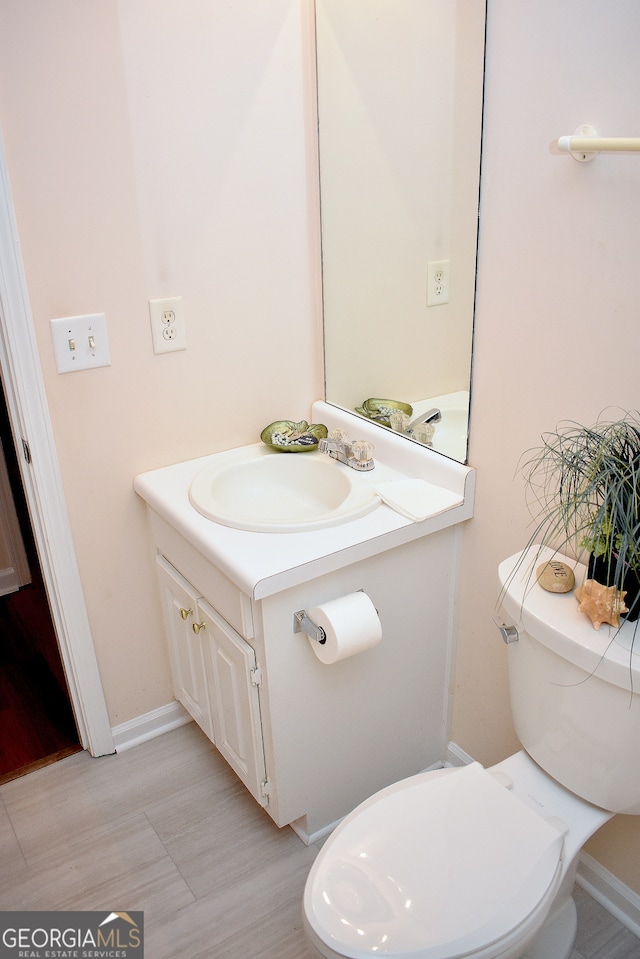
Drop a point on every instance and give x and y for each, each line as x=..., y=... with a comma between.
x=185, y=613
x=198, y=626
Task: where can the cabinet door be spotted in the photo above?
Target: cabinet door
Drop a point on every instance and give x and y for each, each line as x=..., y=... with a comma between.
x=235, y=702
x=180, y=603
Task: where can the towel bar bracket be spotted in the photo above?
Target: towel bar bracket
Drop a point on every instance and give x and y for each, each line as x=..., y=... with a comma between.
x=582, y=156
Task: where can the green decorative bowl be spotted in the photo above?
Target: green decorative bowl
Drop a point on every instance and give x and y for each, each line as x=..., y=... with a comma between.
x=289, y=437
x=380, y=410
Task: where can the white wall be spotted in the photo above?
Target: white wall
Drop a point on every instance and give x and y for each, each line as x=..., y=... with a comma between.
x=557, y=333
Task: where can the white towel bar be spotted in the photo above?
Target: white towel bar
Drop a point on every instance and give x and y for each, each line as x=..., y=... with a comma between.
x=585, y=144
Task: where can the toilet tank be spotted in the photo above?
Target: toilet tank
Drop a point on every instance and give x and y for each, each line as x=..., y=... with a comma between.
x=575, y=690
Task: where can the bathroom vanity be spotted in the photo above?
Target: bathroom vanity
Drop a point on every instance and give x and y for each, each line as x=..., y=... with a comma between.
x=308, y=739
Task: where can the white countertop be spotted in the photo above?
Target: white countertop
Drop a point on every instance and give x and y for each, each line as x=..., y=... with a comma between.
x=261, y=564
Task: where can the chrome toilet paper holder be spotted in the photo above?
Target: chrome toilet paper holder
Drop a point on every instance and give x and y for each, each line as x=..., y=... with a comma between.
x=302, y=624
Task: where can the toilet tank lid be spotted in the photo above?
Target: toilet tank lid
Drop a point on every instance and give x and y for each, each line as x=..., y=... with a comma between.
x=555, y=621
x=432, y=863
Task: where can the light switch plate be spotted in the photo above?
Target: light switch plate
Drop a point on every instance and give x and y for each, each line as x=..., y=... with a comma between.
x=80, y=342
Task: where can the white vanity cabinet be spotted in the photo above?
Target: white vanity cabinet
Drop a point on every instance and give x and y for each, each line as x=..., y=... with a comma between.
x=311, y=740
x=215, y=677
x=233, y=679
x=186, y=651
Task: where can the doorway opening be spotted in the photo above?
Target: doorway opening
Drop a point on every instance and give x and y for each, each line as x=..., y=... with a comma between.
x=37, y=724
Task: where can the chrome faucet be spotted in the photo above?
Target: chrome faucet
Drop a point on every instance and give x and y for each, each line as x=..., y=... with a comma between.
x=431, y=416
x=356, y=454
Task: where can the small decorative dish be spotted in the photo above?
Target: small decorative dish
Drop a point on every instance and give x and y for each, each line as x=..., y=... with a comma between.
x=289, y=437
x=381, y=410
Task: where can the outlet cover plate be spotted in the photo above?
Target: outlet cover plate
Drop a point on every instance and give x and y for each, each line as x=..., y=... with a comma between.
x=80, y=342
x=167, y=324
x=438, y=282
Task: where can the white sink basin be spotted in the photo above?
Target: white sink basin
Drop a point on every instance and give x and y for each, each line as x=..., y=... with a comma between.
x=255, y=488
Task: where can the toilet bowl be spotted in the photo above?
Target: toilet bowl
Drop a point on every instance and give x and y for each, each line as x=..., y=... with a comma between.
x=458, y=862
x=475, y=863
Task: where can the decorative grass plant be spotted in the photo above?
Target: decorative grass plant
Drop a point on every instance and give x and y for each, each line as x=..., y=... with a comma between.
x=583, y=488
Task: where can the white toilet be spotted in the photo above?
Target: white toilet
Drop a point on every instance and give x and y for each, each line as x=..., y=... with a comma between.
x=474, y=863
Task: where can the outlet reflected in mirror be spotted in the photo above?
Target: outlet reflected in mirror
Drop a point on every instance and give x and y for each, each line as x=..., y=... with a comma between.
x=400, y=113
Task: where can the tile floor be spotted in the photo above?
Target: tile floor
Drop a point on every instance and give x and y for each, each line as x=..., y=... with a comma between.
x=168, y=829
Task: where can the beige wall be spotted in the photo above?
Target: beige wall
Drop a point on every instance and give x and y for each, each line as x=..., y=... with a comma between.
x=124, y=194
x=159, y=148
x=557, y=332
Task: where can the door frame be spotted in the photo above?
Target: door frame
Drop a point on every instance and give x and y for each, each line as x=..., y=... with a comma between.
x=33, y=437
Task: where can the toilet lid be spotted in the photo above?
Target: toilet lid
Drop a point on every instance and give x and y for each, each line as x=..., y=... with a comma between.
x=433, y=866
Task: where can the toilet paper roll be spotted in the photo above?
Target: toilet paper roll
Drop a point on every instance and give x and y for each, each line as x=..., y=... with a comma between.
x=351, y=625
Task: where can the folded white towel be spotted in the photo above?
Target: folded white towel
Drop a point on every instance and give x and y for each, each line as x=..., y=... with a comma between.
x=416, y=499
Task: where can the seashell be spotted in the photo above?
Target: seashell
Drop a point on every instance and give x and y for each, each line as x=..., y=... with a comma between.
x=602, y=604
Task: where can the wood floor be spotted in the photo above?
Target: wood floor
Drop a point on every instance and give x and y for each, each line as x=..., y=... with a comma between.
x=36, y=719
x=167, y=828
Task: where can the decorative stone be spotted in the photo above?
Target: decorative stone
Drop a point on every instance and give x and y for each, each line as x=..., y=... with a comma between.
x=602, y=604
x=556, y=577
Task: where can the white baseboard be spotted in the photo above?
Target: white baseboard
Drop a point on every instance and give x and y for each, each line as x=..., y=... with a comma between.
x=456, y=756
x=310, y=838
x=618, y=899
x=149, y=725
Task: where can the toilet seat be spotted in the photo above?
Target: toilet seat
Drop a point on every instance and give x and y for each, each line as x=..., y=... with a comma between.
x=441, y=865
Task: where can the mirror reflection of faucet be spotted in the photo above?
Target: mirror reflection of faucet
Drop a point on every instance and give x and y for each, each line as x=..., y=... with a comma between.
x=358, y=454
x=422, y=428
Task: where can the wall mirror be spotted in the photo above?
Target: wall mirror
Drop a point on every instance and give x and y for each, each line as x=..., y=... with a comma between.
x=400, y=86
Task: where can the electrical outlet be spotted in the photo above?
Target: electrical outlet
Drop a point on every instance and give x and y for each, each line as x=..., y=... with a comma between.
x=437, y=282
x=80, y=342
x=167, y=325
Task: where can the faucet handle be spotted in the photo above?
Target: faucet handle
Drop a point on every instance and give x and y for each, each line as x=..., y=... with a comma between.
x=362, y=450
x=424, y=432
x=399, y=421
x=338, y=436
